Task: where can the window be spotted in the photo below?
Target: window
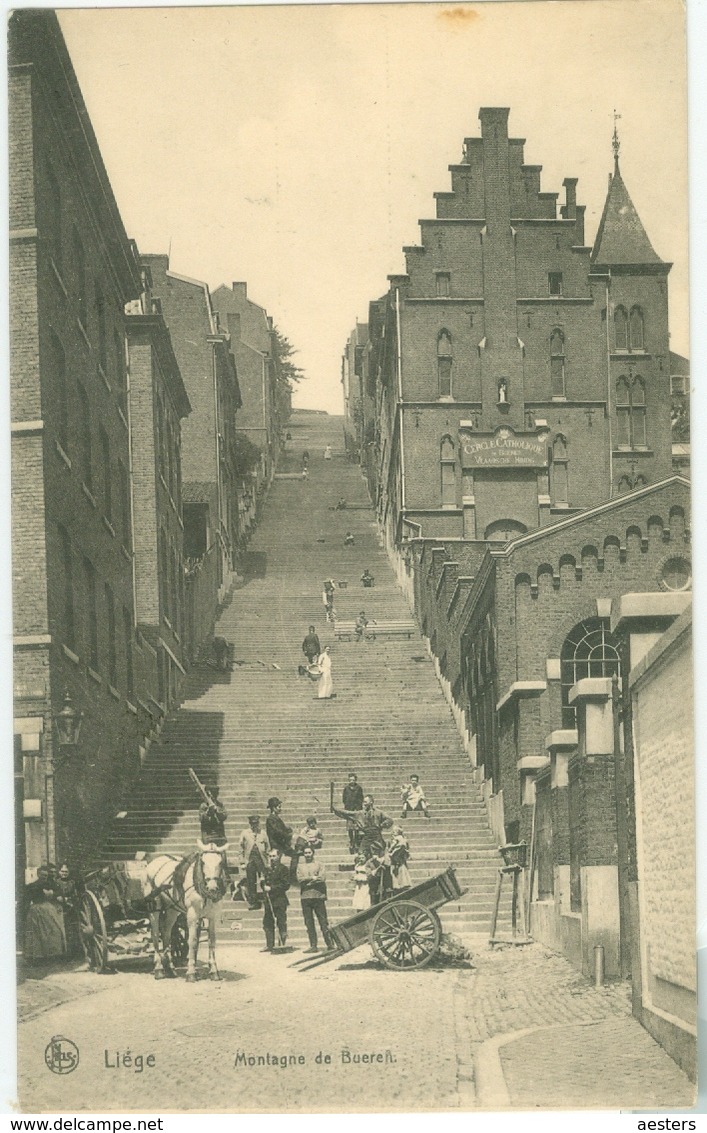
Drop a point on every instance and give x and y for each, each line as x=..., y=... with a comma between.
x=589, y=651
x=85, y=438
x=107, y=478
x=448, y=470
x=80, y=271
x=119, y=348
x=504, y=530
x=444, y=363
x=358, y=361
x=124, y=489
x=554, y=283
x=164, y=576
x=58, y=364
x=90, y=577
x=102, y=336
x=631, y=413
x=129, y=667
x=442, y=284
x=620, y=329
x=558, y=472
x=557, y=363
x=53, y=241
x=678, y=383
x=676, y=574
x=112, y=649
x=638, y=413
x=636, y=329
x=68, y=589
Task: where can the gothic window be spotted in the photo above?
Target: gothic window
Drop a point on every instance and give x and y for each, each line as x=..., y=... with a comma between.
x=112, y=645
x=442, y=284
x=444, y=363
x=638, y=413
x=448, y=472
x=85, y=438
x=636, y=329
x=559, y=477
x=557, y=363
x=589, y=651
x=90, y=576
x=621, y=329
x=623, y=413
x=68, y=589
x=80, y=270
x=58, y=363
x=554, y=283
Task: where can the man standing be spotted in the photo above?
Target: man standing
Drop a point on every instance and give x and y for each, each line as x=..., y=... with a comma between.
x=279, y=835
x=352, y=798
x=212, y=818
x=254, y=855
x=275, y=883
x=370, y=824
x=413, y=796
x=313, y=895
x=311, y=646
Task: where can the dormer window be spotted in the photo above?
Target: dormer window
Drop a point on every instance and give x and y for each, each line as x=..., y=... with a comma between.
x=442, y=284
x=554, y=283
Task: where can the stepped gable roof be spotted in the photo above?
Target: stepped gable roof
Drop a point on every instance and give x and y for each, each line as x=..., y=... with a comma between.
x=621, y=237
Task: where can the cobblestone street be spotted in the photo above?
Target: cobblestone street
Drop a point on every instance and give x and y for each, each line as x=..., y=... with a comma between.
x=520, y=1028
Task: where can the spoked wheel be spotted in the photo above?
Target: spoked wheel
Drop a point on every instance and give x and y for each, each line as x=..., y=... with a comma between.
x=406, y=935
x=179, y=942
x=92, y=927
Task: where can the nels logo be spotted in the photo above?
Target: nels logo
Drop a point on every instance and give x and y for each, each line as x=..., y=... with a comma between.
x=61, y=1055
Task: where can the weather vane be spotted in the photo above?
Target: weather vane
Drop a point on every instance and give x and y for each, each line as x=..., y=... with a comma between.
x=616, y=144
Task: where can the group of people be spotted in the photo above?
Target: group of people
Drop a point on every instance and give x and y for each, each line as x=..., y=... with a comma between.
x=318, y=667
x=51, y=925
x=381, y=863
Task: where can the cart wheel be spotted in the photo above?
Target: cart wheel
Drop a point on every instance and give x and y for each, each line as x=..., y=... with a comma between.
x=179, y=941
x=92, y=927
x=405, y=935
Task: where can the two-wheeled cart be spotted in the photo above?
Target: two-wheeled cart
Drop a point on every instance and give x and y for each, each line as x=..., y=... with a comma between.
x=404, y=931
x=114, y=918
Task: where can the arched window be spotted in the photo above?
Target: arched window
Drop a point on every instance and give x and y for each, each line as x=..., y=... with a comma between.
x=588, y=651
x=444, y=364
x=448, y=472
x=636, y=329
x=558, y=471
x=620, y=329
x=638, y=413
x=631, y=413
x=557, y=363
x=504, y=530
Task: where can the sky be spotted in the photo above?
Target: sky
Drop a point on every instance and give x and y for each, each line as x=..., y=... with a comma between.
x=296, y=147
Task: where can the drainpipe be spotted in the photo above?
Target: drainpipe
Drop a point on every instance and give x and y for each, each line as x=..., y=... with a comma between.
x=609, y=399
x=399, y=360
x=217, y=449
x=131, y=478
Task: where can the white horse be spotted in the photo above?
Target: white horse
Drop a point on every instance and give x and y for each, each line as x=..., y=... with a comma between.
x=195, y=884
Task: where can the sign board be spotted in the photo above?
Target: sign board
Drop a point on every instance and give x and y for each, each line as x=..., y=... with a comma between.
x=503, y=449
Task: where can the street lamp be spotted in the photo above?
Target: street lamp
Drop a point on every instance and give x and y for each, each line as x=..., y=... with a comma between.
x=68, y=724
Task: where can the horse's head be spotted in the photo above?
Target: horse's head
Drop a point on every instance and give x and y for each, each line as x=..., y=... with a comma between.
x=213, y=869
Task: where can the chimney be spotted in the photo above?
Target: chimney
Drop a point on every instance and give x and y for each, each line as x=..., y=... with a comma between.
x=569, y=209
x=240, y=290
x=494, y=121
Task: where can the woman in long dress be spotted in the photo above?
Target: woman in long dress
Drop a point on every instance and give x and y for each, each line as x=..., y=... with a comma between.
x=362, y=896
x=45, y=934
x=325, y=690
x=399, y=854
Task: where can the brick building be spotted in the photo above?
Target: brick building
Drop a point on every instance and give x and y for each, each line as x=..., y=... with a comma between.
x=72, y=269
x=520, y=373
x=158, y=402
x=359, y=406
x=208, y=456
x=251, y=331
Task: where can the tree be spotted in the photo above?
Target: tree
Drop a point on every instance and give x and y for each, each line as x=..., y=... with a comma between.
x=287, y=374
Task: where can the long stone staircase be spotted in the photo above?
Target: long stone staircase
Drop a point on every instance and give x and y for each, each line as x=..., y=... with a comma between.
x=259, y=730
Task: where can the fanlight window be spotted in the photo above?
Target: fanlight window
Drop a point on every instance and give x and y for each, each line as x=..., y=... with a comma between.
x=589, y=651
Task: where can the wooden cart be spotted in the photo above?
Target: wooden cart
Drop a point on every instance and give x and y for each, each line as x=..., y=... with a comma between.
x=114, y=921
x=404, y=931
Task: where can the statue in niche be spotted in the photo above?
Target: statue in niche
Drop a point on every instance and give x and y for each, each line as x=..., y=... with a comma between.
x=503, y=392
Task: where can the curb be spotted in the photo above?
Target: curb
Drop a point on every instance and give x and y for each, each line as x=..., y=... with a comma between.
x=491, y=1085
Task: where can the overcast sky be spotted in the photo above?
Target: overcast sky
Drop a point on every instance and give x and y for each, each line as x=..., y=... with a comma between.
x=297, y=147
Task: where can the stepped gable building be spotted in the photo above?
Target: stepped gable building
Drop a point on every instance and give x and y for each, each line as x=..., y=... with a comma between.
x=209, y=461
x=158, y=403
x=72, y=269
x=251, y=331
x=520, y=373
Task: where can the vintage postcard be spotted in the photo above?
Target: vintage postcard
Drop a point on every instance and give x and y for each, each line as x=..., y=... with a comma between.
x=351, y=559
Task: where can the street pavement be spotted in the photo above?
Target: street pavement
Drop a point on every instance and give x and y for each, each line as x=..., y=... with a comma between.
x=519, y=1028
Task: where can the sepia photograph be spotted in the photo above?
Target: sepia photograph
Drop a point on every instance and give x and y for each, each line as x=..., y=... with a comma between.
x=351, y=584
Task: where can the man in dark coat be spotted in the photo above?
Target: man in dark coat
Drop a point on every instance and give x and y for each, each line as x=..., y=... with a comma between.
x=275, y=883
x=370, y=824
x=311, y=646
x=352, y=798
x=279, y=835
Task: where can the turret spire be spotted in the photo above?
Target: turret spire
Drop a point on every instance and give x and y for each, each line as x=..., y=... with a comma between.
x=615, y=143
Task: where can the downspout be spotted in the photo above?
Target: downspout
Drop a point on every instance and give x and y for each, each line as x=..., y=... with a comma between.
x=400, y=395
x=217, y=447
x=128, y=410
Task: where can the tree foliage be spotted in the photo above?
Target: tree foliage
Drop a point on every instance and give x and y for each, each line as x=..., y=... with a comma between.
x=247, y=455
